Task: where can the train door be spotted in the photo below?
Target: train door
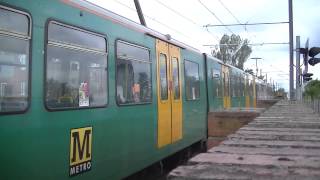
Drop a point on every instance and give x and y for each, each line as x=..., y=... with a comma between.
x=169, y=93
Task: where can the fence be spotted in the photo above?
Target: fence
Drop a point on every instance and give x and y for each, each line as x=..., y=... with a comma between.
x=314, y=104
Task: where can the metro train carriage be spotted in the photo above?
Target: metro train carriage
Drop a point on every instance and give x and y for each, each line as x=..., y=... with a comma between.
x=88, y=94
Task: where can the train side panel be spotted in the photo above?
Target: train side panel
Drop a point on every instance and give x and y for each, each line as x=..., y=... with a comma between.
x=194, y=99
x=215, y=85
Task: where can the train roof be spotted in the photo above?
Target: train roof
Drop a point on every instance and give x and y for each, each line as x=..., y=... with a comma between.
x=221, y=62
x=116, y=18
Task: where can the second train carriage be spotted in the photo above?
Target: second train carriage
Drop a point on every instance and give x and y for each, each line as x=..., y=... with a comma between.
x=229, y=87
x=85, y=93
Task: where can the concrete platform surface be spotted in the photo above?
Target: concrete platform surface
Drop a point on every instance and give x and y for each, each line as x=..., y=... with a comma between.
x=282, y=143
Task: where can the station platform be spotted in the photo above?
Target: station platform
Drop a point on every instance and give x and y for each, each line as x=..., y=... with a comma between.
x=282, y=143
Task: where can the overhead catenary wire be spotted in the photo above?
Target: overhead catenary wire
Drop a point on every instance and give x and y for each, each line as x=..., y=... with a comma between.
x=214, y=36
x=187, y=19
x=212, y=13
x=250, y=44
x=230, y=12
x=176, y=12
x=245, y=24
x=155, y=20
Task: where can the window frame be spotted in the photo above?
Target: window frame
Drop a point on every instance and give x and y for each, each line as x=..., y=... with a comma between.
x=185, y=83
x=46, y=44
x=21, y=37
x=130, y=43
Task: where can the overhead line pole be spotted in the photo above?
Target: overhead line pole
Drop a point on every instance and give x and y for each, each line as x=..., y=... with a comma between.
x=298, y=85
x=291, y=94
x=256, y=58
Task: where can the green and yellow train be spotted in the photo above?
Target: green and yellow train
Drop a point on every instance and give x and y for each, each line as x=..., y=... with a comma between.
x=88, y=94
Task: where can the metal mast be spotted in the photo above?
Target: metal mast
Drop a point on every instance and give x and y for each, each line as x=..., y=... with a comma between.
x=291, y=50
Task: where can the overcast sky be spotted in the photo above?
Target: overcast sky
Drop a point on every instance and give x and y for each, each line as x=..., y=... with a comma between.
x=184, y=21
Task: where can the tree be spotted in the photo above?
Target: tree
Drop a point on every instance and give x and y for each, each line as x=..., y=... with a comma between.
x=312, y=89
x=233, y=50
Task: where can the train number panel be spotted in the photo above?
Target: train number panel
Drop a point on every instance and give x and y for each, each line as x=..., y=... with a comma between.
x=80, y=150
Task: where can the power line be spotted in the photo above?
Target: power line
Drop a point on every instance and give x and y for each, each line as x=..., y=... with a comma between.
x=230, y=12
x=186, y=18
x=214, y=36
x=250, y=44
x=215, y=16
x=245, y=24
x=155, y=20
x=176, y=12
x=277, y=69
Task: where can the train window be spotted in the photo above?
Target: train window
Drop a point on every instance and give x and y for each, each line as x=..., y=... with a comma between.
x=243, y=84
x=217, y=82
x=132, y=52
x=76, y=68
x=14, y=60
x=133, y=74
x=232, y=81
x=250, y=87
x=175, y=74
x=246, y=84
x=14, y=22
x=226, y=84
x=58, y=33
x=192, y=80
x=235, y=85
x=239, y=85
x=163, y=77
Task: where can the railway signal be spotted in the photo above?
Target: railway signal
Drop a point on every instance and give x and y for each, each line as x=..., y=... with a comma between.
x=307, y=77
x=312, y=53
x=313, y=61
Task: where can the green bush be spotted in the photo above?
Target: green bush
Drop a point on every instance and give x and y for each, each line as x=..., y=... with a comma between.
x=312, y=89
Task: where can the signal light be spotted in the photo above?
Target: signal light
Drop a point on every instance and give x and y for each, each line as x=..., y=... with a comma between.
x=312, y=53
x=307, y=77
x=313, y=61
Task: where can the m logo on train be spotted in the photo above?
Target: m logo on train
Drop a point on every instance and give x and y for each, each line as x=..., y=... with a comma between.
x=80, y=150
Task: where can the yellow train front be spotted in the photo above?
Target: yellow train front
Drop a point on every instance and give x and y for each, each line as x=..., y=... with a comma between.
x=88, y=94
